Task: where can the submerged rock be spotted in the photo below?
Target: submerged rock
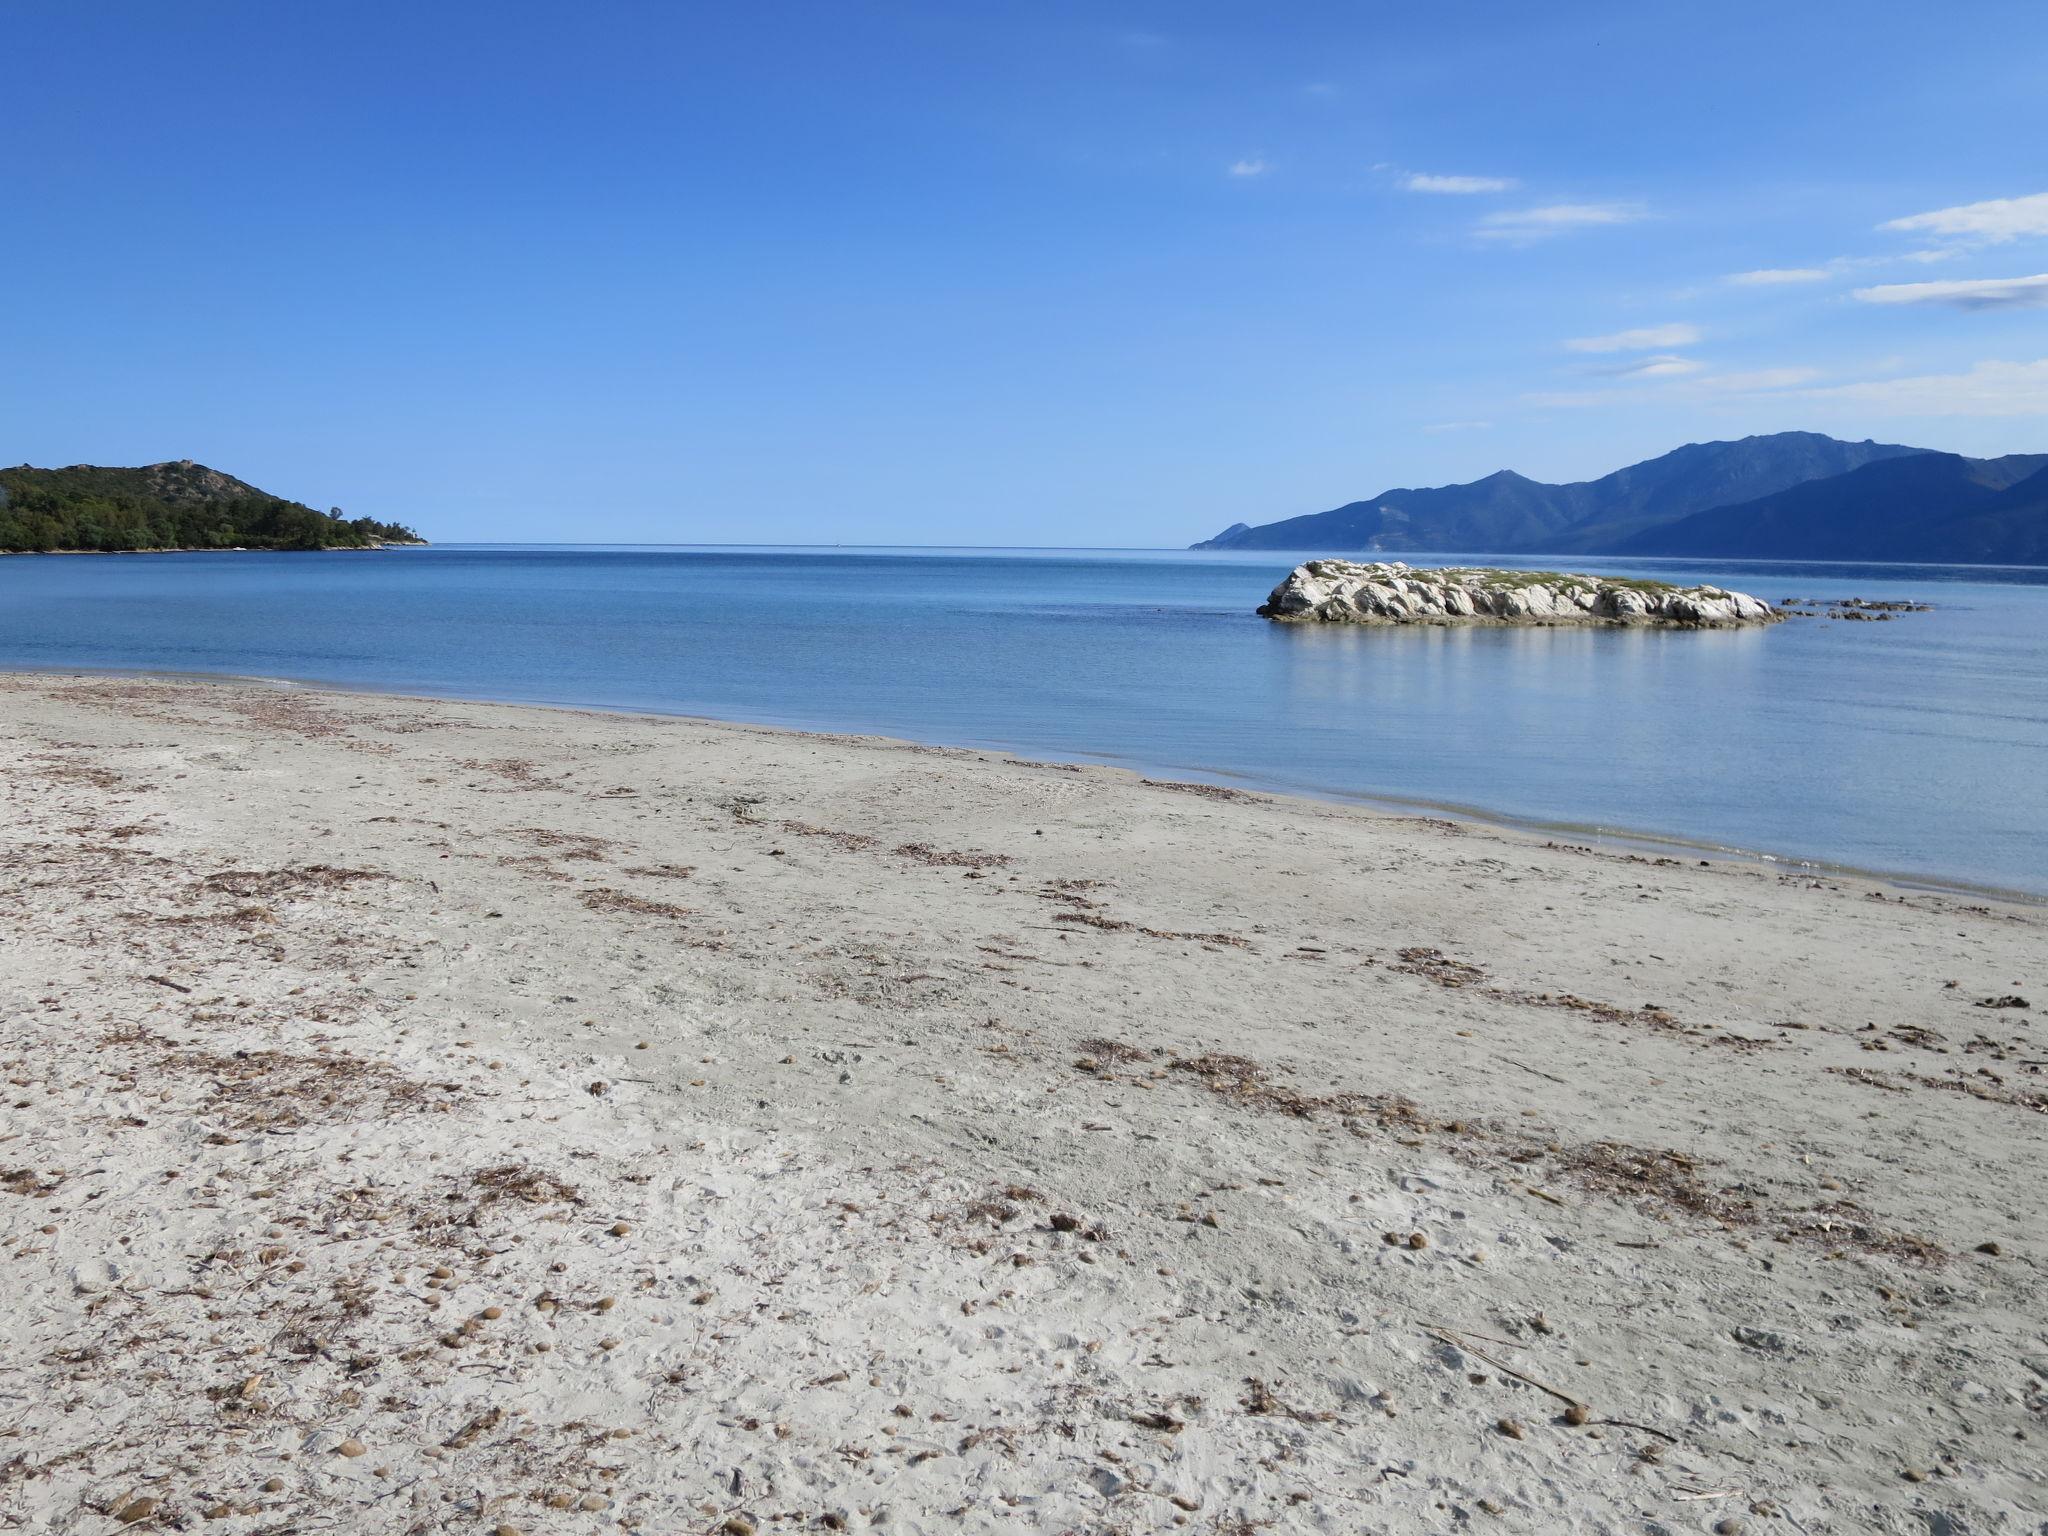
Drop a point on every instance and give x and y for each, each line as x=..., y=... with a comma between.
x=1345, y=592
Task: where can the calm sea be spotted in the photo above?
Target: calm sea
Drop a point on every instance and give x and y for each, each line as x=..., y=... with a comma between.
x=1918, y=747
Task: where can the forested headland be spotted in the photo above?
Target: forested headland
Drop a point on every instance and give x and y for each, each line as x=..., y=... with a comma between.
x=176, y=505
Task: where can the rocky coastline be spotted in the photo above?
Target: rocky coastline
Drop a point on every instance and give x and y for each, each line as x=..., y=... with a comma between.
x=1393, y=592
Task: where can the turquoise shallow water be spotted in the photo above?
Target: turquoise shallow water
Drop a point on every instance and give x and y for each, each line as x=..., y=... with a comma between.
x=1918, y=747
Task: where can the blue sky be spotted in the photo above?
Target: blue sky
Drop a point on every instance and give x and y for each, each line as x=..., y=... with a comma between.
x=985, y=273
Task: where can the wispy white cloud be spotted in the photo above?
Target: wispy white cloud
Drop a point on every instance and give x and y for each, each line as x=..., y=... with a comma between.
x=1772, y=277
x=1250, y=165
x=1457, y=186
x=1521, y=226
x=1641, y=340
x=1674, y=384
x=1991, y=388
x=1995, y=222
x=1964, y=293
x=1757, y=380
x=1664, y=365
x=1578, y=399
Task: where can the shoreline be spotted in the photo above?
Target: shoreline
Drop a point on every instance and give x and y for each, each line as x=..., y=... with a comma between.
x=1628, y=840
x=231, y=549
x=448, y=1115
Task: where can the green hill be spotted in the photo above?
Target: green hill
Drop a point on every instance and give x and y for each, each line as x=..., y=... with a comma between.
x=179, y=505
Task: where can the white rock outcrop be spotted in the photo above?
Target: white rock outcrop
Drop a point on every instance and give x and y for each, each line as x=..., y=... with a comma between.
x=1392, y=592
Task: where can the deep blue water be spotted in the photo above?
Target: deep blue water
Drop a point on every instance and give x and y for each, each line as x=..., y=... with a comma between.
x=1918, y=746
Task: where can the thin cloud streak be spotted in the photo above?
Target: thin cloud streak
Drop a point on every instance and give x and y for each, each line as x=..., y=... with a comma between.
x=1964, y=293
x=1521, y=226
x=1759, y=381
x=1995, y=222
x=1641, y=340
x=1773, y=277
x=1458, y=186
x=1663, y=366
x=1991, y=388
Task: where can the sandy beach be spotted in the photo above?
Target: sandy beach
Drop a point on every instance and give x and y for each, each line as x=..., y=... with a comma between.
x=442, y=1117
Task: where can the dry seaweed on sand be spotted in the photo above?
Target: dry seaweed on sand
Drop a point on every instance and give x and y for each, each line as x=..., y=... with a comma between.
x=1436, y=966
x=604, y=898
x=955, y=858
x=288, y=881
x=1204, y=791
x=1118, y=925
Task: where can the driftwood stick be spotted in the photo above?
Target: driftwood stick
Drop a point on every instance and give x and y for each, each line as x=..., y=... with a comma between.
x=1646, y=1429
x=1504, y=1368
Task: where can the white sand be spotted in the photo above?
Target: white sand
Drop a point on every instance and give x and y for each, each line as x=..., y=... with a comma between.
x=928, y=1195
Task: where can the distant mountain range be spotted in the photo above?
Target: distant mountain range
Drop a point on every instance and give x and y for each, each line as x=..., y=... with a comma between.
x=174, y=505
x=1787, y=495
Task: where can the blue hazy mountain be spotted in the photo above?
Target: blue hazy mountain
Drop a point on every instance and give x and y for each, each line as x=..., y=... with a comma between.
x=1937, y=507
x=1511, y=513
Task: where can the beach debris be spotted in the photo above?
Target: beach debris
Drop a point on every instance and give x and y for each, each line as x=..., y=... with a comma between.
x=1259, y=1398
x=2008, y=1000
x=1436, y=966
x=1462, y=1341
